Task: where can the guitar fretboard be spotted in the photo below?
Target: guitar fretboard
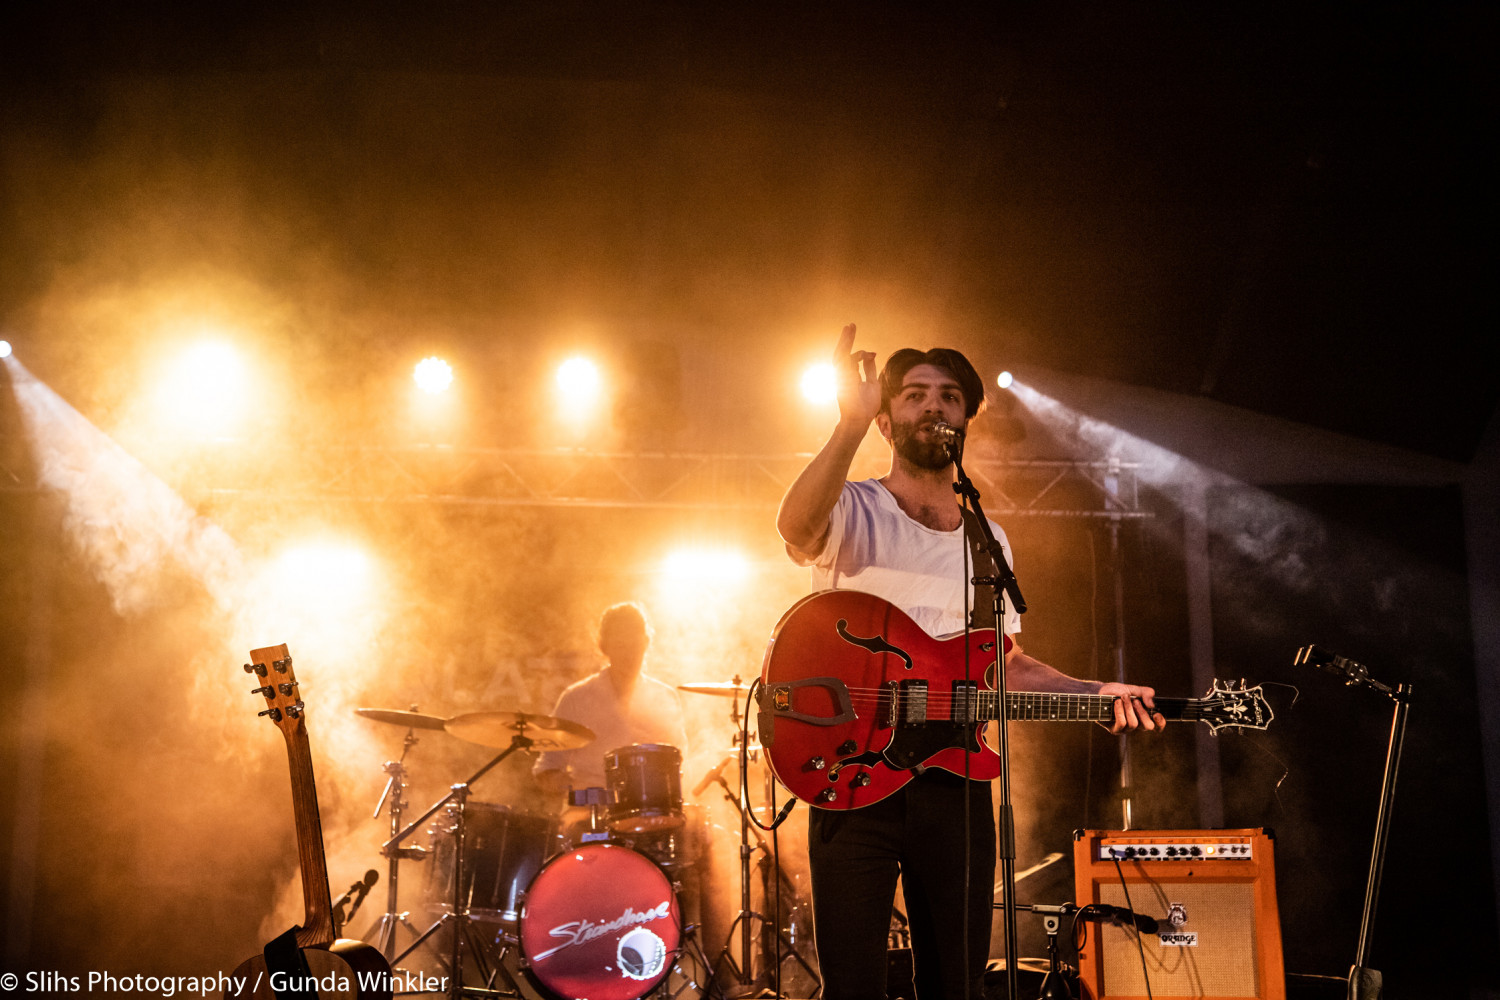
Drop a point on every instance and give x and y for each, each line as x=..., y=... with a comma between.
x=1032, y=706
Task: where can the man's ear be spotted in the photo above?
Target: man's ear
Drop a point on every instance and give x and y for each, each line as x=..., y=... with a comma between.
x=883, y=423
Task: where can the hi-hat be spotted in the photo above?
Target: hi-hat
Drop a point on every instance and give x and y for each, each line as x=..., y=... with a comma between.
x=499, y=729
x=406, y=720
x=727, y=689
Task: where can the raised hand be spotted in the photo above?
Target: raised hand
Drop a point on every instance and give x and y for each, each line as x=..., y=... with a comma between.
x=859, y=385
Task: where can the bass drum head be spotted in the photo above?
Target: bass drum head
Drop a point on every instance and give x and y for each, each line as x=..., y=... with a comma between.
x=601, y=922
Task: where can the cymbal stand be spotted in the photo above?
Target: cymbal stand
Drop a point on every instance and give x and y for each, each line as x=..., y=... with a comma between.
x=384, y=931
x=745, y=969
x=459, y=916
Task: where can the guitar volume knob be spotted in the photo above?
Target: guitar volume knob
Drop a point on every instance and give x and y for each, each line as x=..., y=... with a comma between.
x=817, y=763
x=827, y=795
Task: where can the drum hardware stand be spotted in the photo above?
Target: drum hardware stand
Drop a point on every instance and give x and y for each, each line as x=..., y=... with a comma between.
x=462, y=924
x=597, y=799
x=1366, y=983
x=384, y=931
x=695, y=946
x=744, y=973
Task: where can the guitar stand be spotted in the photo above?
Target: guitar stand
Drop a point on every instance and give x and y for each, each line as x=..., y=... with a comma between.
x=463, y=929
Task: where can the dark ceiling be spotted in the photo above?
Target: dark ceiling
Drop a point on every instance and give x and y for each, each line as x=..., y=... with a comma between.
x=1281, y=207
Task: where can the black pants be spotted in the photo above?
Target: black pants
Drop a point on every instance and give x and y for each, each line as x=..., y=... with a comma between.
x=917, y=833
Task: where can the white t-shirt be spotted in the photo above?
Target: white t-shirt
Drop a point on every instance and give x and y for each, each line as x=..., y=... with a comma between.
x=875, y=547
x=651, y=714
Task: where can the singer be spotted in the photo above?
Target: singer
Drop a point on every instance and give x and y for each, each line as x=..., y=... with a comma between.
x=902, y=537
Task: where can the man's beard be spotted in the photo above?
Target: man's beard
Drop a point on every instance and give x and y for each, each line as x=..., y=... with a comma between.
x=932, y=454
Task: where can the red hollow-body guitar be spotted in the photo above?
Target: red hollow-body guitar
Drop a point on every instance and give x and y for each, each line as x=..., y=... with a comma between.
x=856, y=700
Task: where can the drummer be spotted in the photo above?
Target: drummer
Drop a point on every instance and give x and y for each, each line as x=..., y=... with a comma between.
x=620, y=702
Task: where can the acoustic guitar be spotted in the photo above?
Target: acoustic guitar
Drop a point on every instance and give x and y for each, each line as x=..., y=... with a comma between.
x=309, y=960
x=856, y=700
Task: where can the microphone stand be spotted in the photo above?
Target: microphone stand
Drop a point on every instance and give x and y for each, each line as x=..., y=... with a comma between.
x=1003, y=583
x=1365, y=983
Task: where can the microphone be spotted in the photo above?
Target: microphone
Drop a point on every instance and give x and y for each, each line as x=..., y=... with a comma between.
x=359, y=890
x=948, y=432
x=1129, y=918
x=711, y=776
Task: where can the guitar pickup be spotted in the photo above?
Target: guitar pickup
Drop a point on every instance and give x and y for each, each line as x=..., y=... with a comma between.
x=965, y=708
x=776, y=703
x=911, y=703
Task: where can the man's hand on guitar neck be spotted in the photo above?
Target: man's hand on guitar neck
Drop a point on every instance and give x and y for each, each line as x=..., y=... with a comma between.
x=1133, y=704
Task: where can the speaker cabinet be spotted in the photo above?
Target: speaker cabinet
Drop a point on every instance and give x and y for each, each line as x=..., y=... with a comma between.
x=1213, y=895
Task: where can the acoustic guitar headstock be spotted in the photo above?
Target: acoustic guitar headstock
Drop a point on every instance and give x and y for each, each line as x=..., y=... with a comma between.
x=272, y=667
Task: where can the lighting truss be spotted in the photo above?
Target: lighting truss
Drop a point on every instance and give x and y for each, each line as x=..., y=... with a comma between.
x=442, y=474
x=502, y=477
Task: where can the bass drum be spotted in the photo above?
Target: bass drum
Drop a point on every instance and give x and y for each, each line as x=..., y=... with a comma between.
x=602, y=922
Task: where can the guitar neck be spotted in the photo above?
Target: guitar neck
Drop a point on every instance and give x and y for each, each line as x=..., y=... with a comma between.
x=317, y=929
x=1033, y=706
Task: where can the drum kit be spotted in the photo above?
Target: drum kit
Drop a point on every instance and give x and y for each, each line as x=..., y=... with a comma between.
x=601, y=907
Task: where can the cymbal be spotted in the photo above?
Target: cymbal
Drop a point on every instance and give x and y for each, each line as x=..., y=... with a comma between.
x=727, y=689
x=497, y=729
x=406, y=720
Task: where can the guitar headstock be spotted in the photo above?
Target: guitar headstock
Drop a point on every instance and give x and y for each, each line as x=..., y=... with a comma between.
x=272, y=667
x=1233, y=705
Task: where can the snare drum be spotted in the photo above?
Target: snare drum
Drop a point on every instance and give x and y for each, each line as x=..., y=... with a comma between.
x=646, y=779
x=504, y=849
x=600, y=921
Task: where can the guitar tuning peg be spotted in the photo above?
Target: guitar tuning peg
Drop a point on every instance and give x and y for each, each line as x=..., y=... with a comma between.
x=249, y=668
x=294, y=711
x=267, y=690
x=274, y=713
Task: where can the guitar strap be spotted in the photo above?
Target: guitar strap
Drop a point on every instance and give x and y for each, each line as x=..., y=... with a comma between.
x=982, y=614
x=282, y=955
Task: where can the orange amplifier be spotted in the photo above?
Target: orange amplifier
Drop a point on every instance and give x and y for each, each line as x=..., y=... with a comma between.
x=1213, y=895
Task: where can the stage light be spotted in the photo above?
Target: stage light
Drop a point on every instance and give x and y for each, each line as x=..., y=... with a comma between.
x=324, y=577
x=820, y=384
x=579, y=379
x=204, y=388
x=4, y=348
x=433, y=375
x=1004, y=380
x=705, y=567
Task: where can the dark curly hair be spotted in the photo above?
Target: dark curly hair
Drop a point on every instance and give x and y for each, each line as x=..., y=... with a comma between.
x=946, y=358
